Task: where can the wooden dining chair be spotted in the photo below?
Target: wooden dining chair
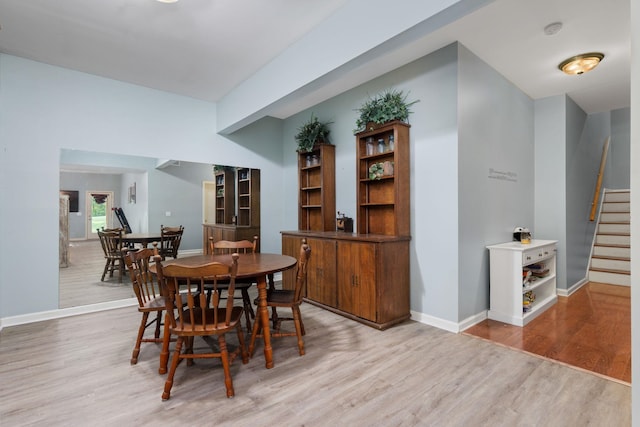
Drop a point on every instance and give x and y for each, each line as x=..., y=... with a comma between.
x=287, y=298
x=111, y=242
x=149, y=295
x=170, y=238
x=201, y=316
x=240, y=246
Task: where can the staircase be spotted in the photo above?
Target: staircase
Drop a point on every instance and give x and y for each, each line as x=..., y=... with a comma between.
x=611, y=253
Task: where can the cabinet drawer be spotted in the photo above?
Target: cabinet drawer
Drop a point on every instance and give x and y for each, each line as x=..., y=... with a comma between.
x=533, y=255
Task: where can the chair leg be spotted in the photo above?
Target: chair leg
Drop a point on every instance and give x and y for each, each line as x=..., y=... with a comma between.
x=247, y=300
x=172, y=370
x=248, y=309
x=106, y=267
x=254, y=334
x=301, y=322
x=189, y=350
x=243, y=347
x=224, y=356
x=158, y=323
x=297, y=322
x=136, y=349
x=120, y=270
x=274, y=319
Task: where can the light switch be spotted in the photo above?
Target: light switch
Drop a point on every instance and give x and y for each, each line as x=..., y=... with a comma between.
x=167, y=213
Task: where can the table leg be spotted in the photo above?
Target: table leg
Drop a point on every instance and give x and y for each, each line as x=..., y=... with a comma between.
x=164, y=352
x=263, y=318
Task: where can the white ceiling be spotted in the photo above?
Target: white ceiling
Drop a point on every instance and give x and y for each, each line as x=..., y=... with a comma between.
x=205, y=48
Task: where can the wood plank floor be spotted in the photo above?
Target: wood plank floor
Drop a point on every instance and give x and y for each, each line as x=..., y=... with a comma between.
x=76, y=371
x=80, y=282
x=590, y=330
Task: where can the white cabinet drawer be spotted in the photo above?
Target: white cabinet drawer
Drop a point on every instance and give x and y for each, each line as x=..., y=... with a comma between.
x=534, y=255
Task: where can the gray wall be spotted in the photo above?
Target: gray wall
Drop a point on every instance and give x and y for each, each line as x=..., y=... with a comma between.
x=83, y=182
x=550, y=175
x=496, y=172
x=617, y=173
x=455, y=212
x=45, y=109
x=433, y=143
x=585, y=137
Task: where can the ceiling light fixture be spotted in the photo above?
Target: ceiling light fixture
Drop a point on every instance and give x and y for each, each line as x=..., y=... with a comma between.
x=580, y=64
x=168, y=1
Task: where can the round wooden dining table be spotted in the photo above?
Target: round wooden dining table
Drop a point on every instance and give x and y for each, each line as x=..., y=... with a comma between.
x=254, y=265
x=143, y=238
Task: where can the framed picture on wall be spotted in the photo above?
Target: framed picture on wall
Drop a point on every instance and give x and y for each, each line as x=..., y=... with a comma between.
x=73, y=199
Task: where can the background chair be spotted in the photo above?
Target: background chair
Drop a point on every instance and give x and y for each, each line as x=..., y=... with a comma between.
x=240, y=246
x=170, y=238
x=111, y=242
x=201, y=316
x=285, y=298
x=149, y=294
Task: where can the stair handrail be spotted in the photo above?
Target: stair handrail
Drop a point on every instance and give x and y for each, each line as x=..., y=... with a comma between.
x=596, y=195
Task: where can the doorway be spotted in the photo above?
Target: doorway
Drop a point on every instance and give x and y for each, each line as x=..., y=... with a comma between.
x=98, y=209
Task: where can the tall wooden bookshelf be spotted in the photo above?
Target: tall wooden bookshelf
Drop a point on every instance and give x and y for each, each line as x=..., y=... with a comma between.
x=317, y=189
x=383, y=180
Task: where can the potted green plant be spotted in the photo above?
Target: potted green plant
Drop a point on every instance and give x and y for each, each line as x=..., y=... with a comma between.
x=312, y=132
x=385, y=107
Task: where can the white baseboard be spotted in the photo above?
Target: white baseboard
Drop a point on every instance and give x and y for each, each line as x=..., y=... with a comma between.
x=83, y=309
x=448, y=325
x=572, y=289
x=65, y=312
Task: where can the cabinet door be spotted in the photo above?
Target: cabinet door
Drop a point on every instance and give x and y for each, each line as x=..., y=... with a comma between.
x=291, y=247
x=357, y=279
x=321, y=272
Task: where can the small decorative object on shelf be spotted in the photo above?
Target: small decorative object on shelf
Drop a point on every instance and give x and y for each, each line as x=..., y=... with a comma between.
x=370, y=146
x=385, y=107
x=312, y=132
x=344, y=223
x=376, y=171
x=387, y=168
x=391, y=142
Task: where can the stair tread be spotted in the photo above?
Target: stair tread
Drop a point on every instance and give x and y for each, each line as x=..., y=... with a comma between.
x=613, y=258
x=616, y=222
x=610, y=270
x=613, y=233
x=611, y=245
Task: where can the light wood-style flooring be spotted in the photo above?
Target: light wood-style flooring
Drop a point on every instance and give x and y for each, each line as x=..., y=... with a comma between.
x=70, y=370
x=80, y=282
x=591, y=329
x=76, y=371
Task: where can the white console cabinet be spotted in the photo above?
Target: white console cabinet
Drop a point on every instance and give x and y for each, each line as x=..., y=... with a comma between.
x=522, y=280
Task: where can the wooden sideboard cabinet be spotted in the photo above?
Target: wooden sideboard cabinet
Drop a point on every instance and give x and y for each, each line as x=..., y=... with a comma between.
x=227, y=232
x=364, y=277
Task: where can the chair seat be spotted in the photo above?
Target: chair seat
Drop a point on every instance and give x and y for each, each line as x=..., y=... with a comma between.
x=280, y=296
x=239, y=285
x=154, y=305
x=210, y=328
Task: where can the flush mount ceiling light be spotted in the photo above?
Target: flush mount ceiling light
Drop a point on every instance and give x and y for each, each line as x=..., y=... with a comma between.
x=168, y=1
x=580, y=64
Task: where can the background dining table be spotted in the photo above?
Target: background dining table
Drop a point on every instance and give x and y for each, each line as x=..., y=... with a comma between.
x=250, y=266
x=142, y=238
